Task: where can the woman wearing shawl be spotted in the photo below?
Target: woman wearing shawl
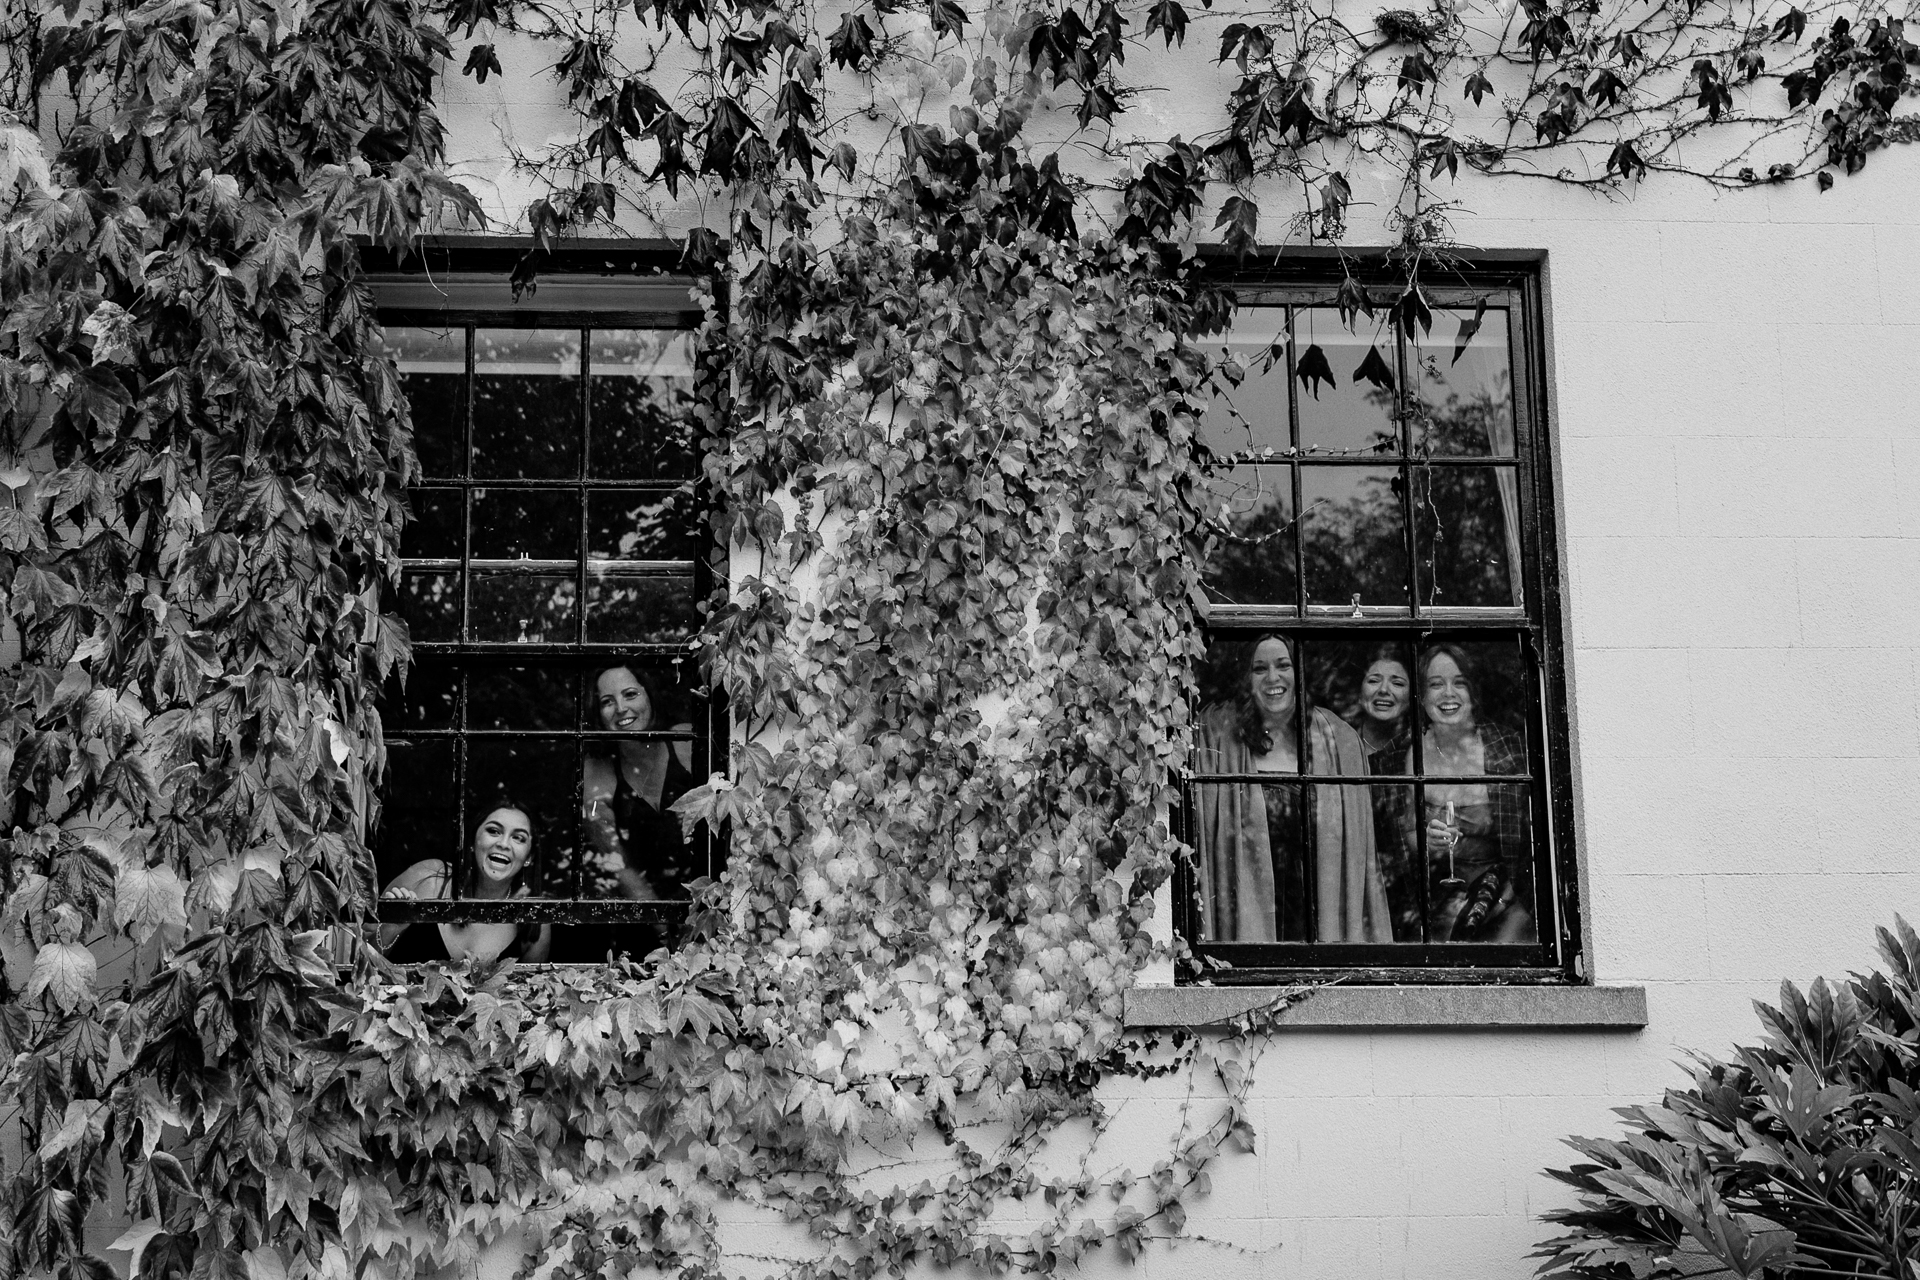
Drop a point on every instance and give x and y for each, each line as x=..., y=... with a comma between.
x=1284, y=863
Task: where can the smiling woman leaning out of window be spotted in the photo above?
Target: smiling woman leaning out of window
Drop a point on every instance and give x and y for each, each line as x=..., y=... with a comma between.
x=498, y=856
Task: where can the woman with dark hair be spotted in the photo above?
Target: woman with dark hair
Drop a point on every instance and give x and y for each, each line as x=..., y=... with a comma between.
x=1386, y=697
x=498, y=856
x=1284, y=863
x=1478, y=884
x=627, y=793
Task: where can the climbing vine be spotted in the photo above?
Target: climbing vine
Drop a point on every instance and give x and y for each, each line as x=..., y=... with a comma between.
x=955, y=467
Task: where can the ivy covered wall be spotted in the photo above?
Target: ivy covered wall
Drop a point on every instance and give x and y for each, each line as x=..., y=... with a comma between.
x=209, y=463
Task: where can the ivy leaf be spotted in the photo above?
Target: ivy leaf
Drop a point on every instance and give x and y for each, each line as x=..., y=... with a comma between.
x=1626, y=160
x=64, y=971
x=134, y=1240
x=146, y=899
x=1478, y=87
x=1169, y=17
x=472, y=12
x=1098, y=104
x=1411, y=309
x=851, y=42
x=481, y=60
x=948, y=17
x=1353, y=299
x=1468, y=328
x=1241, y=217
x=1790, y=26
x=1313, y=369
x=1375, y=369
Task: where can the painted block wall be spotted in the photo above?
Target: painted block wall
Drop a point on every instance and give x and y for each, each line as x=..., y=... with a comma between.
x=1735, y=418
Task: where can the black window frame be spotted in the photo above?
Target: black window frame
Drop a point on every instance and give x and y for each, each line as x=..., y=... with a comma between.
x=1514, y=280
x=464, y=282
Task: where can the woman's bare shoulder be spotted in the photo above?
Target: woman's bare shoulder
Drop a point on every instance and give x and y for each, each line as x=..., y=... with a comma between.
x=420, y=874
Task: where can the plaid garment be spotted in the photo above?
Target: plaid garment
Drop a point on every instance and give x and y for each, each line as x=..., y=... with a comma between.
x=1396, y=823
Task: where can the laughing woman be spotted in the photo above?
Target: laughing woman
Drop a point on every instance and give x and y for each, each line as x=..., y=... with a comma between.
x=1284, y=862
x=1478, y=885
x=628, y=793
x=502, y=846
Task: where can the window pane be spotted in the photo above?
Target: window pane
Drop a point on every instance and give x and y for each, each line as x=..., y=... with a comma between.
x=1257, y=343
x=1354, y=536
x=642, y=405
x=1354, y=413
x=430, y=603
x=1478, y=881
x=1368, y=683
x=628, y=605
x=540, y=778
x=1468, y=523
x=433, y=374
x=1288, y=862
x=420, y=816
x=628, y=524
x=511, y=605
x=429, y=700
x=526, y=403
x=432, y=532
x=521, y=698
x=1250, y=551
x=513, y=524
x=1465, y=393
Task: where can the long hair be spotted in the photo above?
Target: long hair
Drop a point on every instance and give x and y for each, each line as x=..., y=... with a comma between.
x=1252, y=726
x=641, y=678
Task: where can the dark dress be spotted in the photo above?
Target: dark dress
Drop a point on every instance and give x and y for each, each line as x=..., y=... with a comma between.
x=419, y=944
x=651, y=843
x=1286, y=839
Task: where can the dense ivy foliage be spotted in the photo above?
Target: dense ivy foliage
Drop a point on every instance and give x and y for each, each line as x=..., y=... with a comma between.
x=955, y=468
x=1799, y=1156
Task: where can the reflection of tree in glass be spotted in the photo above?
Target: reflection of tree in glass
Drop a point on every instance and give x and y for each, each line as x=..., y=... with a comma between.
x=1254, y=565
x=526, y=419
x=516, y=607
x=1465, y=556
x=644, y=428
x=1355, y=546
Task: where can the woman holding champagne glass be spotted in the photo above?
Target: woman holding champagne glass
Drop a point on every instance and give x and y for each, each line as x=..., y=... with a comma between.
x=1478, y=877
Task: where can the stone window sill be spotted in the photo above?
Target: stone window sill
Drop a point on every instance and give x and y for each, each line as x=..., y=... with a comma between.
x=1460, y=1007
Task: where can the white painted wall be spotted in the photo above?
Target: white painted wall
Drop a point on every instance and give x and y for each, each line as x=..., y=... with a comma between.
x=1737, y=428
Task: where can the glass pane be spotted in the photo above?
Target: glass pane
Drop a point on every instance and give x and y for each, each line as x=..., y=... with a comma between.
x=1478, y=882
x=1248, y=719
x=523, y=607
x=432, y=532
x=1465, y=389
x=627, y=524
x=1288, y=862
x=1467, y=520
x=1369, y=685
x=625, y=606
x=541, y=779
x=1249, y=557
x=1257, y=344
x=526, y=403
x=1472, y=703
x=642, y=695
x=642, y=405
x=521, y=698
x=430, y=603
x=420, y=816
x=1354, y=538
x=513, y=524
x=1348, y=407
x=433, y=373
x=429, y=700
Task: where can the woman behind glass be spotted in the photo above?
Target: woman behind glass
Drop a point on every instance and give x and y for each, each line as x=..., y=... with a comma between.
x=627, y=794
x=1283, y=863
x=494, y=869
x=1380, y=717
x=1478, y=883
